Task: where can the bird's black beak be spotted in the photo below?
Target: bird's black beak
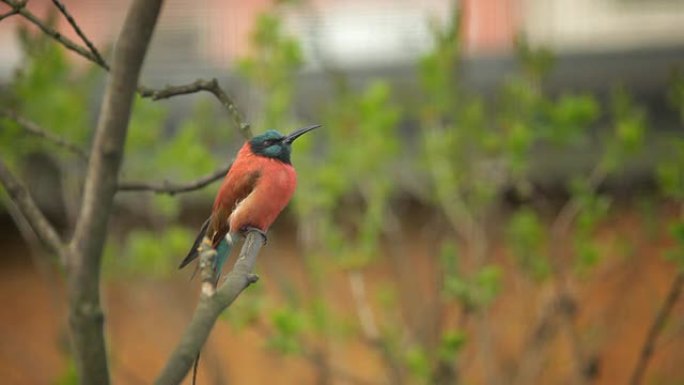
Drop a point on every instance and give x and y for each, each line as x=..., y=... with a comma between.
x=299, y=132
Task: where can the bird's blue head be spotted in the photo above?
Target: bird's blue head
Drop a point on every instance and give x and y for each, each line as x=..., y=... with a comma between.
x=272, y=144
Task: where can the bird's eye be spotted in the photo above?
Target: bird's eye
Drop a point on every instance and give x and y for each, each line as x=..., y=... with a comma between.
x=268, y=143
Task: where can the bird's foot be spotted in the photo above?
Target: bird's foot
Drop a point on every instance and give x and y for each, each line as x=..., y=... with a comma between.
x=247, y=229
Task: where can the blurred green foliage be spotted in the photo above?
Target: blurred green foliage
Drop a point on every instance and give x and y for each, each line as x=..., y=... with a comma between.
x=47, y=90
x=670, y=174
x=273, y=64
x=526, y=235
x=467, y=154
x=58, y=97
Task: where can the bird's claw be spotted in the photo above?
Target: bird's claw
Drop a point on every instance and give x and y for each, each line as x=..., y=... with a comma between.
x=246, y=230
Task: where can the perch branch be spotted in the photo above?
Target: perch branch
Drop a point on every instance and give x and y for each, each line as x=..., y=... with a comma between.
x=20, y=196
x=166, y=187
x=34, y=129
x=207, y=261
x=209, y=309
x=656, y=328
x=100, y=60
x=197, y=86
x=19, y=7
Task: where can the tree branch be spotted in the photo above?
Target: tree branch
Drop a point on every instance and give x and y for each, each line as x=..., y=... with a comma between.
x=308, y=353
x=85, y=314
x=19, y=195
x=93, y=55
x=209, y=309
x=8, y=14
x=19, y=7
x=656, y=328
x=34, y=129
x=100, y=60
x=167, y=187
x=584, y=365
x=197, y=86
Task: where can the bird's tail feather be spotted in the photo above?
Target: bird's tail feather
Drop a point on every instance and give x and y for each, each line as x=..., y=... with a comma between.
x=222, y=253
x=192, y=254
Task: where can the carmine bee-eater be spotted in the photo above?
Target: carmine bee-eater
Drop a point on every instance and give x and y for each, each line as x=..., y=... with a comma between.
x=255, y=190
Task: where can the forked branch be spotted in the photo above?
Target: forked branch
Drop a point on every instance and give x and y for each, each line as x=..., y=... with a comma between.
x=18, y=7
x=19, y=194
x=33, y=128
x=92, y=54
x=99, y=59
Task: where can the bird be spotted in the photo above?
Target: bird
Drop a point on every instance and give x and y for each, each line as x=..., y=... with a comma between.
x=258, y=186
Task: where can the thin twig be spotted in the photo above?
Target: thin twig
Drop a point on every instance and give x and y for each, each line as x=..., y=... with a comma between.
x=34, y=129
x=8, y=14
x=370, y=329
x=657, y=327
x=533, y=355
x=166, y=187
x=93, y=55
x=20, y=195
x=197, y=86
x=100, y=60
x=209, y=309
x=308, y=353
x=561, y=225
x=18, y=7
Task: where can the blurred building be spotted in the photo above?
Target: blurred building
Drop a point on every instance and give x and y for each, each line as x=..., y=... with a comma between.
x=213, y=33
x=599, y=43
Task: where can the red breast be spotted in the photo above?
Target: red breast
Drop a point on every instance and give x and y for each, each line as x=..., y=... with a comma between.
x=255, y=191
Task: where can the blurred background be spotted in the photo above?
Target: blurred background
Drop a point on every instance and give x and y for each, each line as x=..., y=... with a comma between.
x=496, y=196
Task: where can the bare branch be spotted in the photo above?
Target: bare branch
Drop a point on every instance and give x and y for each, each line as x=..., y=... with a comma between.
x=8, y=14
x=85, y=314
x=656, y=328
x=583, y=363
x=309, y=353
x=19, y=194
x=197, y=86
x=34, y=129
x=369, y=327
x=18, y=7
x=571, y=209
x=209, y=309
x=100, y=60
x=166, y=187
x=94, y=56
x=207, y=261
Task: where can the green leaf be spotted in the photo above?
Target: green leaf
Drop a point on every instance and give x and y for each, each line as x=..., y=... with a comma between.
x=451, y=343
x=288, y=325
x=149, y=253
x=526, y=235
x=417, y=362
x=676, y=253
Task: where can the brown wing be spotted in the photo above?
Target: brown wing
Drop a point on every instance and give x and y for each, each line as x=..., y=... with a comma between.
x=234, y=189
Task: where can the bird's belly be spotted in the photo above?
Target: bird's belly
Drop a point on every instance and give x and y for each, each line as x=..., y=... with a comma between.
x=262, y=206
